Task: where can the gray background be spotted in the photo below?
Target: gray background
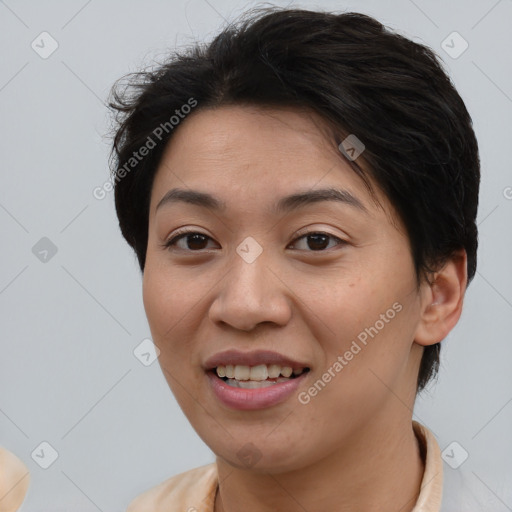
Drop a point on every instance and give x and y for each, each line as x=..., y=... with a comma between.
x=70, y=324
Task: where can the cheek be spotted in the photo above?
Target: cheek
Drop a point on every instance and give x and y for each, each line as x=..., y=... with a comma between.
x=173, y=308
x=371, y=322
x=164, y=308
x=167, y=300
x=157, y=303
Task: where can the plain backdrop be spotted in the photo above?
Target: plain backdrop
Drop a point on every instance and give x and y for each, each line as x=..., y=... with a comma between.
x=70, y=288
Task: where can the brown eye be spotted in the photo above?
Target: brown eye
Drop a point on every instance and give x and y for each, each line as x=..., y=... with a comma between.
x=194, y=241
x=319, y=241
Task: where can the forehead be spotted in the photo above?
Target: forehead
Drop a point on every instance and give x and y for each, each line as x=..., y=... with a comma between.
x=255, y=155
x=248, y=135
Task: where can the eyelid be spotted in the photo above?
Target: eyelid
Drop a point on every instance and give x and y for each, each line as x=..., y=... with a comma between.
x=310, y=230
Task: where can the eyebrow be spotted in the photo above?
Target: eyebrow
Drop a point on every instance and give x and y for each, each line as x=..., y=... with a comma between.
x=285, y=204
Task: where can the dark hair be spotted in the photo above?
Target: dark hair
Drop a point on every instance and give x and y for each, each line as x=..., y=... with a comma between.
x=361, y=78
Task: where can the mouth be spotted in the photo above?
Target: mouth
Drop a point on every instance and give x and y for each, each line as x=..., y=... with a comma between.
x=254, y=380
x=256, y=377
x=255, y=387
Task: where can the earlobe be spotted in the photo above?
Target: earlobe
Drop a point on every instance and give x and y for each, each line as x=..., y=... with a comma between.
x=442, y=301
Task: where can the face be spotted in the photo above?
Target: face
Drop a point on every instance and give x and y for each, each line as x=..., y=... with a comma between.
x=325, y=285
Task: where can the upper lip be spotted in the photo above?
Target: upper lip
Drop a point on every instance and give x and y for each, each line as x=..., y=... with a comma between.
x=253, y=358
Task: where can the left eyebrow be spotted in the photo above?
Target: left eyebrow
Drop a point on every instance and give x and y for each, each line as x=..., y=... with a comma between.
x=300, y=199
x=285, y=204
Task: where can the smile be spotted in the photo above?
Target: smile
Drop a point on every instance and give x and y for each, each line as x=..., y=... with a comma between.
x=247, y=388
x=259, y=373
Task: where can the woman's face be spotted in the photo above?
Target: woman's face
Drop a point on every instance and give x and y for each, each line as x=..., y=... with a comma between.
x=327, y=285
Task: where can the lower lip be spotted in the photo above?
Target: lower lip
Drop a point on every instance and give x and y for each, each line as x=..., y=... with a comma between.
x=250, y=399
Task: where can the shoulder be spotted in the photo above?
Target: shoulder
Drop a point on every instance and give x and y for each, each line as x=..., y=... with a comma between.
x=14, y=480
x=193, y=490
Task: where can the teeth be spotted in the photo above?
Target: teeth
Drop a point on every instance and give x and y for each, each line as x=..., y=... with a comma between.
x=249, y=384
x=253, y=384
x=256, y=373
x=286, y=371
x=242, y=372
x=274, y=370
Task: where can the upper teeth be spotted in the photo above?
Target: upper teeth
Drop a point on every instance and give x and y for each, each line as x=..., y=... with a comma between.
x=260, y=372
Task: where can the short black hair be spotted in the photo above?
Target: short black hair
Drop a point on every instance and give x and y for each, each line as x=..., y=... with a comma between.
x=361, y=78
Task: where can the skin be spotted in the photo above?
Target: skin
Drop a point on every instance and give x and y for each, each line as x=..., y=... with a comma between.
x=352, y=447
x=14, y=481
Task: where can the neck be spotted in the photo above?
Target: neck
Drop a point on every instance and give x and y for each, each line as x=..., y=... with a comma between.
x=378, y=469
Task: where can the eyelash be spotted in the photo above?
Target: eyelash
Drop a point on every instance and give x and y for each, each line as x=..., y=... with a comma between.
x=183, y=233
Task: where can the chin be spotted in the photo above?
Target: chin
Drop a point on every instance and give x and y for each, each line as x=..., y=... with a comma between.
x=260, y=456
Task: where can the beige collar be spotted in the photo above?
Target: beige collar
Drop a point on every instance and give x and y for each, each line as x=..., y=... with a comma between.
x=196, y=489
x=431, y=491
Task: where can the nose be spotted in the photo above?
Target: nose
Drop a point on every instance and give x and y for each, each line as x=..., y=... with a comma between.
x=251, y=294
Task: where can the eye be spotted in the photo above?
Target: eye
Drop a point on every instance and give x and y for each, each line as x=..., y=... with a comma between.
x=192, y=239
x=195, y=241
x=317, y=240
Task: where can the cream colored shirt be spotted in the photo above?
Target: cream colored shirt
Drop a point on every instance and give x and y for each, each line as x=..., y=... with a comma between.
x=195, y=490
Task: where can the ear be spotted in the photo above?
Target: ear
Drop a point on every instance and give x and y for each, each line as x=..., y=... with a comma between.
x=442, y=300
